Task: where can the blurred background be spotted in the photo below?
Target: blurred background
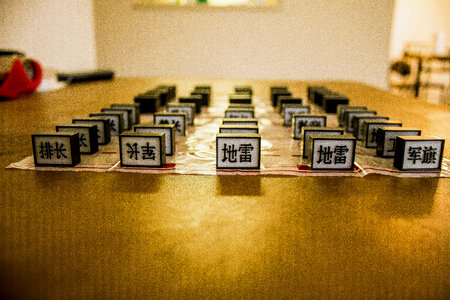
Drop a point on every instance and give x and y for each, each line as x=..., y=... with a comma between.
x=400, y=45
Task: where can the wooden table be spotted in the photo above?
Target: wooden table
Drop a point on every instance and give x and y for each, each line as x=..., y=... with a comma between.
x=114, y=235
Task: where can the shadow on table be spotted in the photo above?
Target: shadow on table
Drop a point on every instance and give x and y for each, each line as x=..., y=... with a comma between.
x=84, y=182
x=408, y=197
x=136, y=183
x=238, y=185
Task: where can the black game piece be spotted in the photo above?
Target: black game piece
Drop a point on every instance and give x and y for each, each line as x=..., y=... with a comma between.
x=163, y=94
x=87, y=134
x=142, y=149
x=126, y=115
x=204, y=93
x=56, y=149
x=418, y=153
x=287, y=100
x=387, y=137
x=240, y=99
x=331, y=101
x=167, y=129
x=332, y=152
x=149, y=102
x=115, y=121
x=243, y=89
x=276, y=94
x=238, y=151
x=370, y=128
x=103, y=128
x=135, y=108
x=196, y=99
x=358, y=122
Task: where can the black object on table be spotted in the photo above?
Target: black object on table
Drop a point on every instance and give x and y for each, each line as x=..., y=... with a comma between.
x=75, y=77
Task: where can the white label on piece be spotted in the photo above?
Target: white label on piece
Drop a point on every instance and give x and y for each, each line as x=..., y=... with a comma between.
x=422, y=154
x=83, y=134
x=189, y=110
x=333, y=154
x=178, y=121
x=238, y=153
x=239, y=114
x=307, y=137
x=306, y=120
x=141, y=151
x=290, y=111
x=53, y=150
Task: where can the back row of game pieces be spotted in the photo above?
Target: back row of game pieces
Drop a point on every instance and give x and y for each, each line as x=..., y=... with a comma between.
x=153, y=100
x=238, y=143
x=148, y=145
x=333, y=152
x=84, y=135
x=332, y=148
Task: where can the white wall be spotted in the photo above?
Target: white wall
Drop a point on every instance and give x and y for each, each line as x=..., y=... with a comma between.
x=58, y=33
x=320, y=39
x=418, y=21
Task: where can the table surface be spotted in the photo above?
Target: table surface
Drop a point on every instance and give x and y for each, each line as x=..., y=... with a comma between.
x=83, y=235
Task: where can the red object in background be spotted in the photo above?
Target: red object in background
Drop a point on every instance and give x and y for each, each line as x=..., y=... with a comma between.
x=17, y=82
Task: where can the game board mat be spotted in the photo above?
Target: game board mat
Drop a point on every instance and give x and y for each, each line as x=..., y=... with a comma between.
x=196, y=153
